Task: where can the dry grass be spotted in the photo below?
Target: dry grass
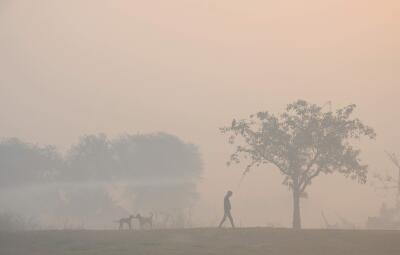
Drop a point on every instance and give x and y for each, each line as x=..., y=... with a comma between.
x=201, y=241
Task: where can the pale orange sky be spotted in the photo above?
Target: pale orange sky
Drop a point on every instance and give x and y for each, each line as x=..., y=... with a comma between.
x=188, y=67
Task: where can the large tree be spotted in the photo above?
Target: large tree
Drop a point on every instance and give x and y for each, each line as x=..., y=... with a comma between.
x=302, y=143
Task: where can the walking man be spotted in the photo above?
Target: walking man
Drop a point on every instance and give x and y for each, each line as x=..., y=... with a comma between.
x=227, y=209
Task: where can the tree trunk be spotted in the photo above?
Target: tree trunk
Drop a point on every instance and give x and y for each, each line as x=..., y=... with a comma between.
x=296, y=206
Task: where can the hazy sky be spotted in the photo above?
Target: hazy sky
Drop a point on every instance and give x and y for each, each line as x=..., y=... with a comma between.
x=188, y=67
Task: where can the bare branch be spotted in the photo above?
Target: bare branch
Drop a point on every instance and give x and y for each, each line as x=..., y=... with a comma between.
x=394, y=159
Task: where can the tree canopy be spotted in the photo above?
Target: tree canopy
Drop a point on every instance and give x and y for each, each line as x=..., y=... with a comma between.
x=302, y=143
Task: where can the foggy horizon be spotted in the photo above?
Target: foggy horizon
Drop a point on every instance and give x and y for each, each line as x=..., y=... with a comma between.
x=187, y=68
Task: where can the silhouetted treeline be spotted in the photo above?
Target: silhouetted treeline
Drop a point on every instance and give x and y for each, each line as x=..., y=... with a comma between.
x=99, y=178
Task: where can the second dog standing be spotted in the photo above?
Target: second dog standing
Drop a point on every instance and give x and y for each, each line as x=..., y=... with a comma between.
x=143, y=221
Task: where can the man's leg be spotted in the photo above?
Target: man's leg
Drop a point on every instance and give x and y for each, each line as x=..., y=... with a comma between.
x=231, y=220
x=222, y=221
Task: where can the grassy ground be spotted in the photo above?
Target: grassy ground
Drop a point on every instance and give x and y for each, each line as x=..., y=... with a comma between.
x=201, y=241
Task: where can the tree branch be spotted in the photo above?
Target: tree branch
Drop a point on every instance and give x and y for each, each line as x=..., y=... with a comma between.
x=308, y=180
x=308, y=168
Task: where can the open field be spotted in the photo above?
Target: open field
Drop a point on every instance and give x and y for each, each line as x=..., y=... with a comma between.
x=201, y=241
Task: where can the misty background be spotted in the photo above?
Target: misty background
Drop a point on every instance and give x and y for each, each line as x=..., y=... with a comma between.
x=187, y=68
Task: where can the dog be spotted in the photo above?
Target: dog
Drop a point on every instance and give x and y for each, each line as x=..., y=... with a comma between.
x=127, y=221
x=143, y=221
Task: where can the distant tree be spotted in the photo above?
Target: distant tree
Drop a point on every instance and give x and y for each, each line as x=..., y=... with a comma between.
x=26, y=164
x=302, y=143
x=145, y=172
x=387, y=181
x=92, y=159
x=89, y=167
x=396, y=162
x=162, y=170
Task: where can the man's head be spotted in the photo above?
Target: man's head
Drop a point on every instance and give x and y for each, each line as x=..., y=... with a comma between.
x=229, y=193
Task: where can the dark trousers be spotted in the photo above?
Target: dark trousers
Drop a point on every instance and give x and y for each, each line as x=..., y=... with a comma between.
x=227, y=214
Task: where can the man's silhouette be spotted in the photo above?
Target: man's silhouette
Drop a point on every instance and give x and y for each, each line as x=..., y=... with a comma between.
x=227, y=209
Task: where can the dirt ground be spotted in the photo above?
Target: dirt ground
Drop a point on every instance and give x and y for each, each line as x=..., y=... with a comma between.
x=201, y=241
